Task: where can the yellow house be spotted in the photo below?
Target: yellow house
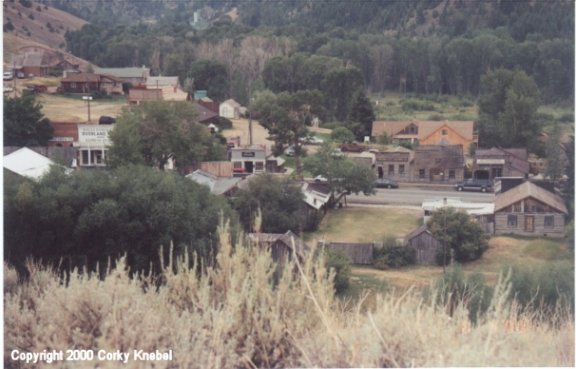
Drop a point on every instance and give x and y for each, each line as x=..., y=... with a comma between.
x=428, y=132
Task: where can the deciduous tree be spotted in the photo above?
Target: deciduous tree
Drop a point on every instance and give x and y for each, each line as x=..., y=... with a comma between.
x=156, y=132
x=24, y=123
x=457, y=232
x=94, y=215
x=507, y=109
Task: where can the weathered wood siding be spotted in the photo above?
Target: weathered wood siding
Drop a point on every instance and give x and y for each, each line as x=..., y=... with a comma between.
x=426, y=248
x=557, y=231
x=358, y=253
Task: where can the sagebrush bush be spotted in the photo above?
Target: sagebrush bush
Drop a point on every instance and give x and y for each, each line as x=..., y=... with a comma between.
x=246, y=312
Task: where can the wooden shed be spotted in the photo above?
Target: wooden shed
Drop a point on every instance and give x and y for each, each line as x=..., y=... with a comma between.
x=282, y=246
x=425, y=244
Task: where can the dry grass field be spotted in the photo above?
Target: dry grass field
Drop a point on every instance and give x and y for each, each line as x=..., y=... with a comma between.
x=65, y=109
x=235, y=315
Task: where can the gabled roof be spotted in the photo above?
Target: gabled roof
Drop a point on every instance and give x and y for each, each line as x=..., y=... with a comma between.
x=517, y=157
x=124, y=72
x=316, y=194
x=28, y=163
x=89, y=78
x=161, y=81
x=291, y=240
x=217, y=185
x=204, y=114
x=29, y=59
x=525, y=190
x=417, y=232
x=425, y=127
x=232, y=103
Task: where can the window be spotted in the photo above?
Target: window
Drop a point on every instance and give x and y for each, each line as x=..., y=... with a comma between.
x=451, y=174
x=422, y=173
x=401, y=169
x=517, y=207
x=549, y=221
x=237, y=164
x=444, y=132
x=512, y=221
x=85, y=157
x=258, y=165
x=391, y=169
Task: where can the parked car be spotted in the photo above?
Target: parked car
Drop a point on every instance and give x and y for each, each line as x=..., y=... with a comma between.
x=320, y=179
x=352, y=147
x=312, y=140
x=473, y=184
x=106, y=120
x=289, y=151
x=385, y=183
x=337, y=153
x=8, y=75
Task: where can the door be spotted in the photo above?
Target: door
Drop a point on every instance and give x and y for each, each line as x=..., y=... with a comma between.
x=249, y=166
x=529, y=223
x=380, y=172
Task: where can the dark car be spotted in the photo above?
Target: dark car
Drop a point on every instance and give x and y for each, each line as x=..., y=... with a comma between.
x=385, y=183
x=352, y=147
x=106, y=120
x=473, y=184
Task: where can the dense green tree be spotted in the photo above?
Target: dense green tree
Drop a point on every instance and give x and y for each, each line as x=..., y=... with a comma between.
x=341, y=135
x=93, y=215
x=24, y=123
x=156, y=132
x=211, y=76
x=341, y=173
x=287, y=117
x=508, y=105
x=554, y=159
x=278, y=202
x=339, y=86
x=361, y=116
x=459, y=234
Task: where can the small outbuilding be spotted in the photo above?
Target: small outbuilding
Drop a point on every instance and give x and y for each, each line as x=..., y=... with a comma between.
x=426, y=246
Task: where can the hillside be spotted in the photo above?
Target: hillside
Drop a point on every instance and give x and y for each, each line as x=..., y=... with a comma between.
x=38, y=23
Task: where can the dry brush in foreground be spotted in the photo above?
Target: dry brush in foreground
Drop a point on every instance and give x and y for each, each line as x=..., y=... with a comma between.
x=244, y=313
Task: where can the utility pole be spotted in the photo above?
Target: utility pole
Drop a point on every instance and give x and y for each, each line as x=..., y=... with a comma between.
x=88, y=99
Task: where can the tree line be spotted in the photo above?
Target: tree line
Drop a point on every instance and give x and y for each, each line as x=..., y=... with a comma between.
x=436, y=62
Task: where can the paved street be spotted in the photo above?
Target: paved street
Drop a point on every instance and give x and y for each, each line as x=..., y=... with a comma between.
x=415, y=196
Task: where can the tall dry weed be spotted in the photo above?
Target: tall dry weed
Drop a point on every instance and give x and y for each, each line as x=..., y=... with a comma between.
x=246, y=311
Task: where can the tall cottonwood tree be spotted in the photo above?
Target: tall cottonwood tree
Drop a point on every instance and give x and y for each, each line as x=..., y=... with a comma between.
x=157, y=132
x=287, y=117
x=508, y=105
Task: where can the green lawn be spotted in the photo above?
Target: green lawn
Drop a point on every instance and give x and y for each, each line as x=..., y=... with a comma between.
x=374, y=224
x=364, y=224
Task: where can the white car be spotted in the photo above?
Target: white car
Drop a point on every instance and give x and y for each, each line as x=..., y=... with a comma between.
x=8, y=75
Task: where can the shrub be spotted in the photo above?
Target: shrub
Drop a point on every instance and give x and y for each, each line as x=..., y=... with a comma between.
x=545, y=288
x=223, y=123
x=340, y=264
x=234, y=315
x=393, y=255
x=413, y=105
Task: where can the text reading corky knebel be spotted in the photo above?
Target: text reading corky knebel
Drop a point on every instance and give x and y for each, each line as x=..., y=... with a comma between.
x=53, y=356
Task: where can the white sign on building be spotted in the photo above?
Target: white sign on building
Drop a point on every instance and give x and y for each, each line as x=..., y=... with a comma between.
x=93, y=143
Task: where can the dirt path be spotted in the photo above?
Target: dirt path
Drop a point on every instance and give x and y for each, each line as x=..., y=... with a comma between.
x=241, y=128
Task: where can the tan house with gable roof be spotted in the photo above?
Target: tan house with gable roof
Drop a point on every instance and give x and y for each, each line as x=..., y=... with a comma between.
x=428, y=132
x=529, y=210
